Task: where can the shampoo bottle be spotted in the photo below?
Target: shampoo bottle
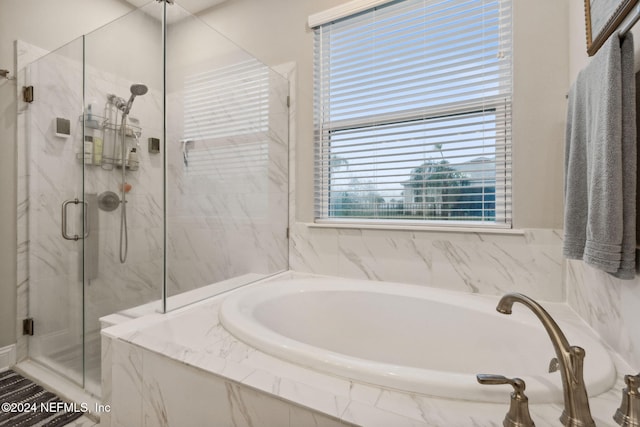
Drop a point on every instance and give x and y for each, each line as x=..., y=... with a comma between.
x=97, y=150
x=88, y=149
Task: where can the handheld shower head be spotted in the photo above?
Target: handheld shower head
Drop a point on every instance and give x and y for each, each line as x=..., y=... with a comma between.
x=136, y=90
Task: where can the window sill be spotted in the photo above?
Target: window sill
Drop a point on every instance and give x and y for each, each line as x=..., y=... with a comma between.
x=442, y=228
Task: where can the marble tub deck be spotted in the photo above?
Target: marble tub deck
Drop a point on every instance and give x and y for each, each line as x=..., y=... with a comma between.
x=193, y=336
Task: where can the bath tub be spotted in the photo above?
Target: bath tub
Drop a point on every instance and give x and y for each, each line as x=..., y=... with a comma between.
x=411, y=338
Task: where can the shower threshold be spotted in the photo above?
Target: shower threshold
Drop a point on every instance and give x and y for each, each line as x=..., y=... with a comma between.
x=67, y=390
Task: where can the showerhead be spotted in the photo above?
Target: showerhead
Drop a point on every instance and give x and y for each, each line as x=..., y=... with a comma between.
x=136, y=90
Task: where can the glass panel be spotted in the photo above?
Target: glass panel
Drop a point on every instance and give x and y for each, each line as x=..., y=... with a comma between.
x=227, y=162
x=123, y=110
x=54, y=176
x=175, y=169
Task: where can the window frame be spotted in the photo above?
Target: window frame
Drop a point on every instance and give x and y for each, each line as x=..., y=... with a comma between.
x=502, y=106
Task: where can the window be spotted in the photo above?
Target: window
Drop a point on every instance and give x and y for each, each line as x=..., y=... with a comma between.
x=227, y=101
x=413, y=113
x=226, y=123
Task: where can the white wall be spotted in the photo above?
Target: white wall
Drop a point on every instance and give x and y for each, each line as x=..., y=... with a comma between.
x=539, y=111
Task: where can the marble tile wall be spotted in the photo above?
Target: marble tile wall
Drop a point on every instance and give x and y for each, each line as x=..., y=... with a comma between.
x=529, y=262
x=608, y=305
x=149, y=390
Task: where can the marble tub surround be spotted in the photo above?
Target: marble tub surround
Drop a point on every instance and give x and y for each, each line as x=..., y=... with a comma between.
x=609, y=306
x=153, y=355
x=487, y=262
x=383, y=334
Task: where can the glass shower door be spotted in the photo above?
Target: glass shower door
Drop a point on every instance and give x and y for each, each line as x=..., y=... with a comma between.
x=123, y=99
x=56, y=214
x=83, y=263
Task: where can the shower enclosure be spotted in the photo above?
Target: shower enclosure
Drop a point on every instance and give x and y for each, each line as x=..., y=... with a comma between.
x=153, y=171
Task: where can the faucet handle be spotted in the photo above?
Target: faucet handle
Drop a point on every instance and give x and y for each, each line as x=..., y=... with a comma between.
x=628, y=414
x=577, y=354
x=518, y=415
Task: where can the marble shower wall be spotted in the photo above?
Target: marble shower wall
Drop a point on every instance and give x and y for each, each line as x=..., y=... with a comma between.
x=227, y=197
x=529, y=261
x=115, y=286
x=215, y=229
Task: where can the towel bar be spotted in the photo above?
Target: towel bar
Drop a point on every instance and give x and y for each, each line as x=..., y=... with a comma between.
x=627, y=27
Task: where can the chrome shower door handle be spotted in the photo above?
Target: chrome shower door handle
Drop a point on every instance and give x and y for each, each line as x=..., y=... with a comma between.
x=65, y=205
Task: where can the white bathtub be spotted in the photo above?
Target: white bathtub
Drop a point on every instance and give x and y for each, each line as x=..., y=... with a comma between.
x=410, y=337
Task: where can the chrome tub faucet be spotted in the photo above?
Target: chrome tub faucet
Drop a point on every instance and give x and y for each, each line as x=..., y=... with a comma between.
x=570, y=363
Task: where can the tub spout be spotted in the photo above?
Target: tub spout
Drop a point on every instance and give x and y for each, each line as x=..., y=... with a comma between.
x=570, y=363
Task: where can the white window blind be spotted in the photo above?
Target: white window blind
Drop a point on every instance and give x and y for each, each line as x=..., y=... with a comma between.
x=227, y=101
x=226, y=125
x=413, y=113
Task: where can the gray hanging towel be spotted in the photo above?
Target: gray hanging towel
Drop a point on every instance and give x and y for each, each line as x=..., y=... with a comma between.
x=601, y=162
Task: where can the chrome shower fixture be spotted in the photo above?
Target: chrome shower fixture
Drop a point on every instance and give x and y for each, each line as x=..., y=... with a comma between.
x=166, y=1
x=120, y=103
x=125, y=106
x=136, y=90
